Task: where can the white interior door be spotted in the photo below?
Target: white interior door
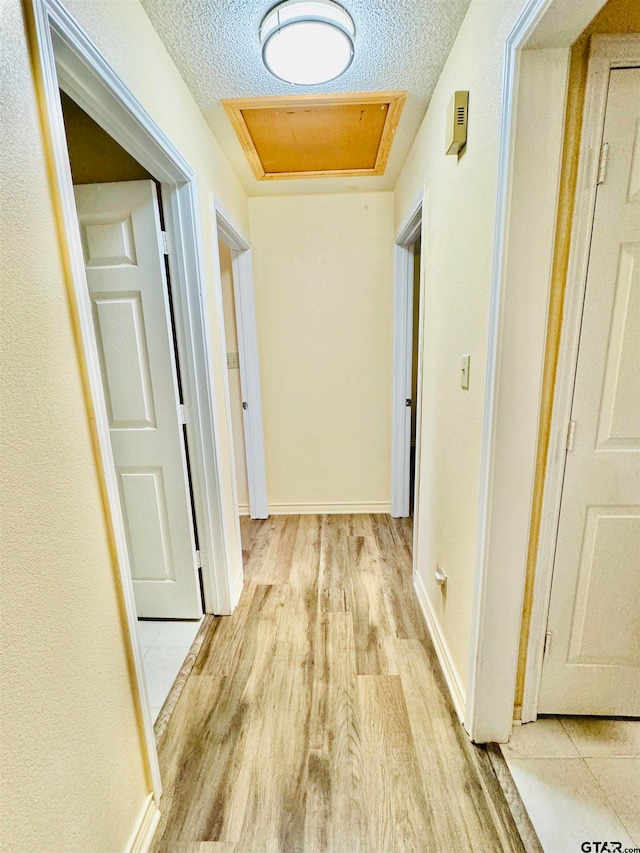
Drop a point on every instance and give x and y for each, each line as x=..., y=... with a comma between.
x=592, y=661
x=121, y=238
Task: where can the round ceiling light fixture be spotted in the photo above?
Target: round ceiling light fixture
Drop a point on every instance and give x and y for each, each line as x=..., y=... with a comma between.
x=307, y=41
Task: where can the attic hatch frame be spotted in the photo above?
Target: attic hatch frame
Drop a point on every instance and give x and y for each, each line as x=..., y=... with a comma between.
x=394, y=100
x=63, y=57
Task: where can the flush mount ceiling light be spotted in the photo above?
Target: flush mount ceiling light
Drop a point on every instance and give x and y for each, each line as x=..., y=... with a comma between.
x=307, y=41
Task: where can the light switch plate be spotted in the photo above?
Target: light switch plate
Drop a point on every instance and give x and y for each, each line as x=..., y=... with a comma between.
x=464, y=371
x=233, y=361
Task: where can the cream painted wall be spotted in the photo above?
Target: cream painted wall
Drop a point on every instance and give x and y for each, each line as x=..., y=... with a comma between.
x=458, y=260
x=74, y=777
x=72, y=765
x=323, y=268
x=235, y=391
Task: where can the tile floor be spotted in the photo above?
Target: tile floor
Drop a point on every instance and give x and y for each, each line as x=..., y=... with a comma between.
x=579, y=779
x=165, y=645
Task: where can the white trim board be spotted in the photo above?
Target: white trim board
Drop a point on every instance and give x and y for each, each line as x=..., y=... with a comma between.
x=408, y=234
x=451, y=677
x=142, y=835
x=329, y=508
x=420, y=380
x=239, y=585
x=533, y=102
x=231, y=235
x=606, y=53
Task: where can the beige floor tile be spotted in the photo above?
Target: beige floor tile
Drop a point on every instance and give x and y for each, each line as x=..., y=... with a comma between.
x=565, y=803
x=147, y=632
x=177, y=633
x=598, y=738
x=546, y=738
x=619, y=778
x=161, y=666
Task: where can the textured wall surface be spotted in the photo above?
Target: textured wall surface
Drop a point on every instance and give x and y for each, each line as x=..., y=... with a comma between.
x=399, y=45
x=458, y=256
x=74, y=777
x=323, y=270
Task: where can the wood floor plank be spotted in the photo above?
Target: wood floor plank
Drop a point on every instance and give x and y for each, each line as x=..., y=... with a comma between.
x=334, y=577
x=182, y=762
x=226, y=645
x=402, y=532
x=277, y=556
x=334, y=761
x=316, y=717
x=276, y=755
x=396, y=578
x=251, y=527
x=396, y=808
x=213, y=760
x=366, y=603
x=302, y=587
x=208, y=626
x=446, y=773
x=255, y=542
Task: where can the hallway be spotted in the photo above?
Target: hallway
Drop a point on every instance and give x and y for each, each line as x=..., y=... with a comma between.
x=315, y=717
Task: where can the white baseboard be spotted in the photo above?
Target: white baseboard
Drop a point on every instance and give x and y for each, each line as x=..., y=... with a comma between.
x=444, y=657
x=329, y=508
x=145, y=828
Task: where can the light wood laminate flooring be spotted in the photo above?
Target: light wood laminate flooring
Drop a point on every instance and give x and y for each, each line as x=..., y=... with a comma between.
x=316, y=718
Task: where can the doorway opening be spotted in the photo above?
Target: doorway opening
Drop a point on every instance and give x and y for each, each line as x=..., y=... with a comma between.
x=406, y=363
x=589, y=540
x=65, y=59
x=234, y=273
x=122, y=227
x=578, y=618
x=233, y=366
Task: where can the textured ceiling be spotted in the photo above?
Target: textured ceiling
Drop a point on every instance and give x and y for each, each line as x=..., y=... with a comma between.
x=400, y=44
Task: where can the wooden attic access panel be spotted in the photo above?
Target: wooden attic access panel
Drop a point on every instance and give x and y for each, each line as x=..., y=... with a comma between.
x=311, y=136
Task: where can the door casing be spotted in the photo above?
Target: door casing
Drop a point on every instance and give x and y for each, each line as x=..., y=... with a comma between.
x=534, y=77
x=231, y=235
x=606, y=53
x=65, y=58
x=407, y=236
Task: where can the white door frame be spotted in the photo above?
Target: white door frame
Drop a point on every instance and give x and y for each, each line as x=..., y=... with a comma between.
x=64, y=57
x=404, y=242
x=535, y=69
x=606, y=53
x=245, y=318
